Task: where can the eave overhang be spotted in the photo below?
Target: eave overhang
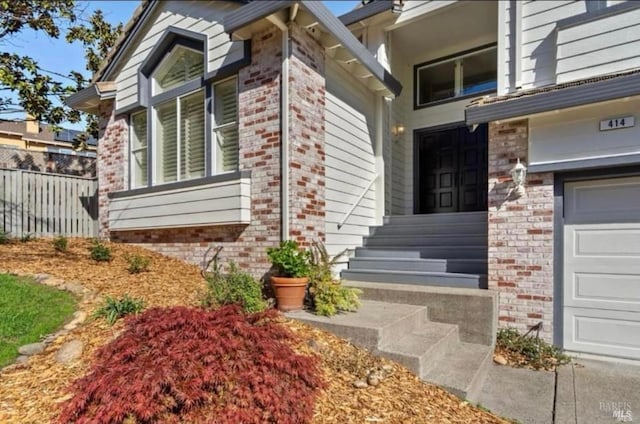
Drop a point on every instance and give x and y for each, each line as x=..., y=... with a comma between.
x=331, y=33
x=540, y=100
x=88, y=99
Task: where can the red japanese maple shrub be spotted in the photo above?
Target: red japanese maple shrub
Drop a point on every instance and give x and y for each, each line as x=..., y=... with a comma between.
x=189, y=365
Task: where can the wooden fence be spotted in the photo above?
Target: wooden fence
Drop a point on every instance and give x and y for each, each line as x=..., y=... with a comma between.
x=42, y=204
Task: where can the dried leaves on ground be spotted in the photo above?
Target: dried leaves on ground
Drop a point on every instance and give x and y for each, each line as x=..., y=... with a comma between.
x=33, y=392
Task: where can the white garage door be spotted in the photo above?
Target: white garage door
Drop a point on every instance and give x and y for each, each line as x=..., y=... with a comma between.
x=602, y=267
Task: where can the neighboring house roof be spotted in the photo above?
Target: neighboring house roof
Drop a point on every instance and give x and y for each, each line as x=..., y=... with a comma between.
x=65, y=136
x=560, y=96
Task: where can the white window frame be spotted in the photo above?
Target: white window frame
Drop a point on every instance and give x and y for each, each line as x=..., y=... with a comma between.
x=168, y=54
x=133, y=151
x=215, y=128
x=154, y=150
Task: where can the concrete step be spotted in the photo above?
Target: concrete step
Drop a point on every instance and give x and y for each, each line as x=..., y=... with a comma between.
x=431, y=252
x=470, y=266
x=475, y=312
x=421, y=350
x=375, y=323
x=425, y=240
x=426, y=229
x=463, y=371
x=444, y=279
x=438, y=218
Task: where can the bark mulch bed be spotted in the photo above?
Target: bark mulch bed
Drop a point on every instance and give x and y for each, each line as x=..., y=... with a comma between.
x=32, y=392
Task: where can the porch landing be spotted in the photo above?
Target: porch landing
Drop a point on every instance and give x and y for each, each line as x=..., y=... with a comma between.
x=444, y=335
x=444, y=249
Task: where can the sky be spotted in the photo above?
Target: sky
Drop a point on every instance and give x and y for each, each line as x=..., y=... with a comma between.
x=62, y=57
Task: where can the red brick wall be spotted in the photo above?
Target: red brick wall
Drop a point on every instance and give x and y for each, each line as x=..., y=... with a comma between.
x=520, y=234
x=306, y=138
x=112, y=160
x=259, y=128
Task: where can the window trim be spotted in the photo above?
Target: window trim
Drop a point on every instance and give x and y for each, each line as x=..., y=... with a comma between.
x=457, y=84
x=206, y=82
x=152, y=76
x=213, y=127
x=131, y=150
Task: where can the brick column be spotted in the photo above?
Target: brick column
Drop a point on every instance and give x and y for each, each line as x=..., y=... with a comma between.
x=306, y=138
x=112, y=160
x=520, y=234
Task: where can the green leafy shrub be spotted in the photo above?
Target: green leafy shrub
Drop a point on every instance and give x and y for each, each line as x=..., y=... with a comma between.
x=26, y=238
x=60, y=243
x=289, y=259
x=4, y=237
x=328, y=295
x=113, y=309
x=138, y=264
x=525, y=350
x=233, y=287
x=100, y=252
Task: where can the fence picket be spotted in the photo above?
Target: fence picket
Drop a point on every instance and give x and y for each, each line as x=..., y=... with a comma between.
x=47, y=204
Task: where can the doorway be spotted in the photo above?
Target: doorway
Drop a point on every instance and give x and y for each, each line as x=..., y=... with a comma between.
x=450, y=170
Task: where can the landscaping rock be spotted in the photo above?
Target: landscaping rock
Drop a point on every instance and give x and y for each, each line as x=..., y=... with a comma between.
x=316, y=346
x=70, y=351
x=499, y=359
x=360, y=384
x=41, y=277
x=79, y=316
x=31, y=349
x=74, y=288
x=22, y=359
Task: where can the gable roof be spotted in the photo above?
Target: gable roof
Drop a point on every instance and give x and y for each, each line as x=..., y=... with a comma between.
x=372, y=8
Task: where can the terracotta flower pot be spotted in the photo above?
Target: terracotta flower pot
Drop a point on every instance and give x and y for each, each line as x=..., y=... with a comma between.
x=289, y=292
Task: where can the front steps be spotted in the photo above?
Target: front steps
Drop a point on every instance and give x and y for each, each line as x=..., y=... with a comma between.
x=423, y=334
x=448, y=249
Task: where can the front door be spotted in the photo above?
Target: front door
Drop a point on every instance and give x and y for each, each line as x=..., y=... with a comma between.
x=451, y=170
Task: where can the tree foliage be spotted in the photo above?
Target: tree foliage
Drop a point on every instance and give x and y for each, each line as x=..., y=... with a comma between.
x=40, y=91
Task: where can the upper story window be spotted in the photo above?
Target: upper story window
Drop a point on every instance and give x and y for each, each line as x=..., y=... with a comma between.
x=169, y=140
x=180, y=66
x=469, y=73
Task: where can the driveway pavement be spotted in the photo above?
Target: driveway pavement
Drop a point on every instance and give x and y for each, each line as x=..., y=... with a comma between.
x=585, y=392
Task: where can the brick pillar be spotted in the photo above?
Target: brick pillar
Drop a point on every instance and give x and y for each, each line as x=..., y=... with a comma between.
x=112, y=160
x=520, y=234
x=306, y=138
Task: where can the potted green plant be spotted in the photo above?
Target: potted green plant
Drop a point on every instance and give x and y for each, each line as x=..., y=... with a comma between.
x=291, y=266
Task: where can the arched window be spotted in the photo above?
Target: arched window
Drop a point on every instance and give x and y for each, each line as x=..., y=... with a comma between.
x=178, y=135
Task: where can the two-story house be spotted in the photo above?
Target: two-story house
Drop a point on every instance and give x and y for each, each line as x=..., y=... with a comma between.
x=392, y=130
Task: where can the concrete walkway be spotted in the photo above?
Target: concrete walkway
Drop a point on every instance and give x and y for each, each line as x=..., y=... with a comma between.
x=585, y=392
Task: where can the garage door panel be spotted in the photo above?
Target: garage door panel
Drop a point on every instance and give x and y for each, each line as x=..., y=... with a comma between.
x=606, y=241
x=603, y=332
x=602, y=267
x=605, y=291
x=605, y=201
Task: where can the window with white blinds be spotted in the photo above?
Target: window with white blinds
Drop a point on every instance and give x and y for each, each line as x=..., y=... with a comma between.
x=225, y=126
x=181, y=65
x=139, y=149
x=178, y=147
x=180, y=141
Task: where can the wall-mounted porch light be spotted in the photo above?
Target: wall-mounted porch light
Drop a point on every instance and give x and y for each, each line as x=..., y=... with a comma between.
x=519, y=176
x=398, y=129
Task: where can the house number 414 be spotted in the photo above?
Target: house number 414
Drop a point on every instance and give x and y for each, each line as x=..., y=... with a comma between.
x=617, y=123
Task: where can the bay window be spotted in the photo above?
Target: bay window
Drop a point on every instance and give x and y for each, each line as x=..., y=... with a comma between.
x=169, y=141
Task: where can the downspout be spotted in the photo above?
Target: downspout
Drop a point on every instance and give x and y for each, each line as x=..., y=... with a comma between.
x=284, y=128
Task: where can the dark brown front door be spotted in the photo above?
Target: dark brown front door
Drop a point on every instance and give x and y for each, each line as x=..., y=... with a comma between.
x=451, y=170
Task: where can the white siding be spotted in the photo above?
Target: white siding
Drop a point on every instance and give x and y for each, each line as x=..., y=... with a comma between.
x=601, y=46
x=401, y=180
x=575, y=135
x=412, y=9
x=221, y=203
x=350, y=161
x=196, y=16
